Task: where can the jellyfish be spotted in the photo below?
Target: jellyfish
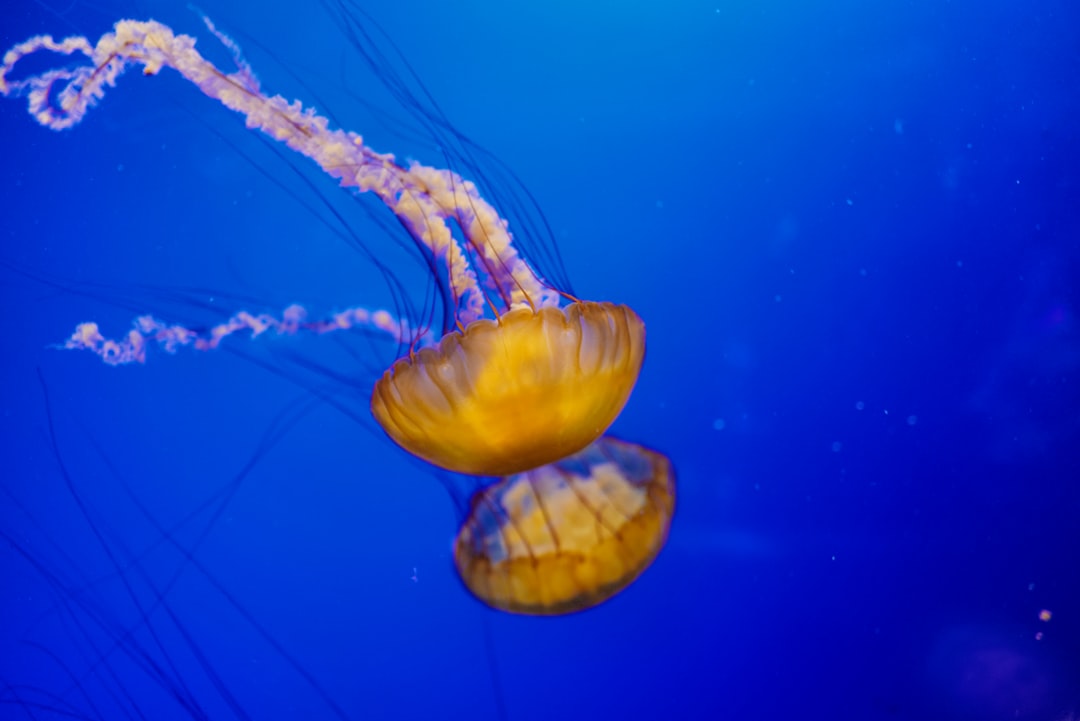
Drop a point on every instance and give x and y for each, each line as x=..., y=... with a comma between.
x=520, y=382
x=498, y=303
x=521, y=388
x=569, y=535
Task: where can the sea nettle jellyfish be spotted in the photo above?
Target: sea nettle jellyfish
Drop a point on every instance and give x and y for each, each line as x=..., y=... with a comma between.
x=522, y=386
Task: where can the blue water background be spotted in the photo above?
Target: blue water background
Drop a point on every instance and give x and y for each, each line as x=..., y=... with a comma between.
x=852, y=229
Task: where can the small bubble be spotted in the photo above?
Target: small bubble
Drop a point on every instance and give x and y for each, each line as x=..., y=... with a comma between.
x=912, y=420
x=862, y=272
x=837, y=446
x=859, y=405
x=777, y=298
x=659, y=204
x=718, y=424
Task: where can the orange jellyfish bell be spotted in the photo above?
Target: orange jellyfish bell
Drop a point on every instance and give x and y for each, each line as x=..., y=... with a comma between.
x=569, y=535
x=516, y=393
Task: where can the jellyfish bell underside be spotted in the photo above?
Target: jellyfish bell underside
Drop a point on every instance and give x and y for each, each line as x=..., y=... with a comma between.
x=516, y=393
x=569, y=535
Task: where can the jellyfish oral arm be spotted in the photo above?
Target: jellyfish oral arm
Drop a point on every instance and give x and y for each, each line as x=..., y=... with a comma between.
x=151, y=332
x=75, y=97
x=424, y=198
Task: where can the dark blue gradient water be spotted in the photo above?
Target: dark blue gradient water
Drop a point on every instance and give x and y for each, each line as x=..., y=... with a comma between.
x=851, y=229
